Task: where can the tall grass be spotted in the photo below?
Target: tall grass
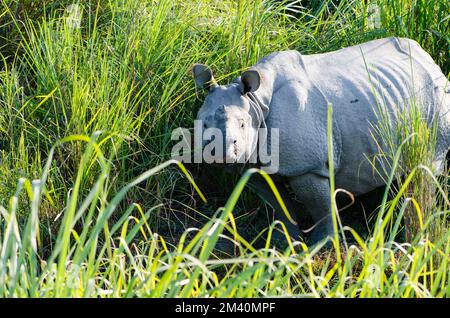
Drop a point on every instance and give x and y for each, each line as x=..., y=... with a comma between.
x=127, y=259
x=124, y=71
x=409, y=130
x=415, y=136
x=73, y=224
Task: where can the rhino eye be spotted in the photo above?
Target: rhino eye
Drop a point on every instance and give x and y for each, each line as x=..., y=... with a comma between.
x=242, y=124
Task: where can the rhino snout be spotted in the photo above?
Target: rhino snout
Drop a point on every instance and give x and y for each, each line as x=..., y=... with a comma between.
x=232, y=152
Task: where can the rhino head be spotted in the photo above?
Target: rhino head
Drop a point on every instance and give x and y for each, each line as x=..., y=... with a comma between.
x=233, y=111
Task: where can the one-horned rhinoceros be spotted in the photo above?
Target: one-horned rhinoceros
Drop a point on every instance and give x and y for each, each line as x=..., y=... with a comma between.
x=291, y=91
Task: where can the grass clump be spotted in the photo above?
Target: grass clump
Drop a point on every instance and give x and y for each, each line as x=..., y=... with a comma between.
x=417, y=158
x=81, y=216
x=126, y=258
x=409, y=133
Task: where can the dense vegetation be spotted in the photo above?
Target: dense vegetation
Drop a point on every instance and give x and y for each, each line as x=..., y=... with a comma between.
x=89, y=95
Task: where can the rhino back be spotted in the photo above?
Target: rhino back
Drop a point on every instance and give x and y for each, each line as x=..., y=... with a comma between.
x=383, y=75
x=356, y=80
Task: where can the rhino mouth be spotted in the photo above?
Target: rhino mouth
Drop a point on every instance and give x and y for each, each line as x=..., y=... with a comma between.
x=224, y=164
x=231, y=157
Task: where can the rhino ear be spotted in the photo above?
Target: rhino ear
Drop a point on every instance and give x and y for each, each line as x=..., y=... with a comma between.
x=203, y=77
x=250, y=81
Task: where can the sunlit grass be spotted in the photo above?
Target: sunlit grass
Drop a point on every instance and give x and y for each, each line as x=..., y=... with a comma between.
x=125, y=258
x=77, y=214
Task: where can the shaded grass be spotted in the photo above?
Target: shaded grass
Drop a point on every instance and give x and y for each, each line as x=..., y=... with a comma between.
x=125, y=72
x=106, y=260
x=123, y=75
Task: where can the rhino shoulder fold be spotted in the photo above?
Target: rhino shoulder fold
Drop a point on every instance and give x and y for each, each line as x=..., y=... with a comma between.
x=300, y=110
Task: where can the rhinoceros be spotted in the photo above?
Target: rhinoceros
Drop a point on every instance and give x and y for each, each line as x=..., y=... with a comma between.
x=290, y=91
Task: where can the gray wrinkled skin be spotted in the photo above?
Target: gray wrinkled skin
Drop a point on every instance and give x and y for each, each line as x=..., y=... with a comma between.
x=294, y=89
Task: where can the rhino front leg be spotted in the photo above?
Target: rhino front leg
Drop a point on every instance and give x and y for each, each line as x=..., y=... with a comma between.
x=314, y=192
x=260, y=186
